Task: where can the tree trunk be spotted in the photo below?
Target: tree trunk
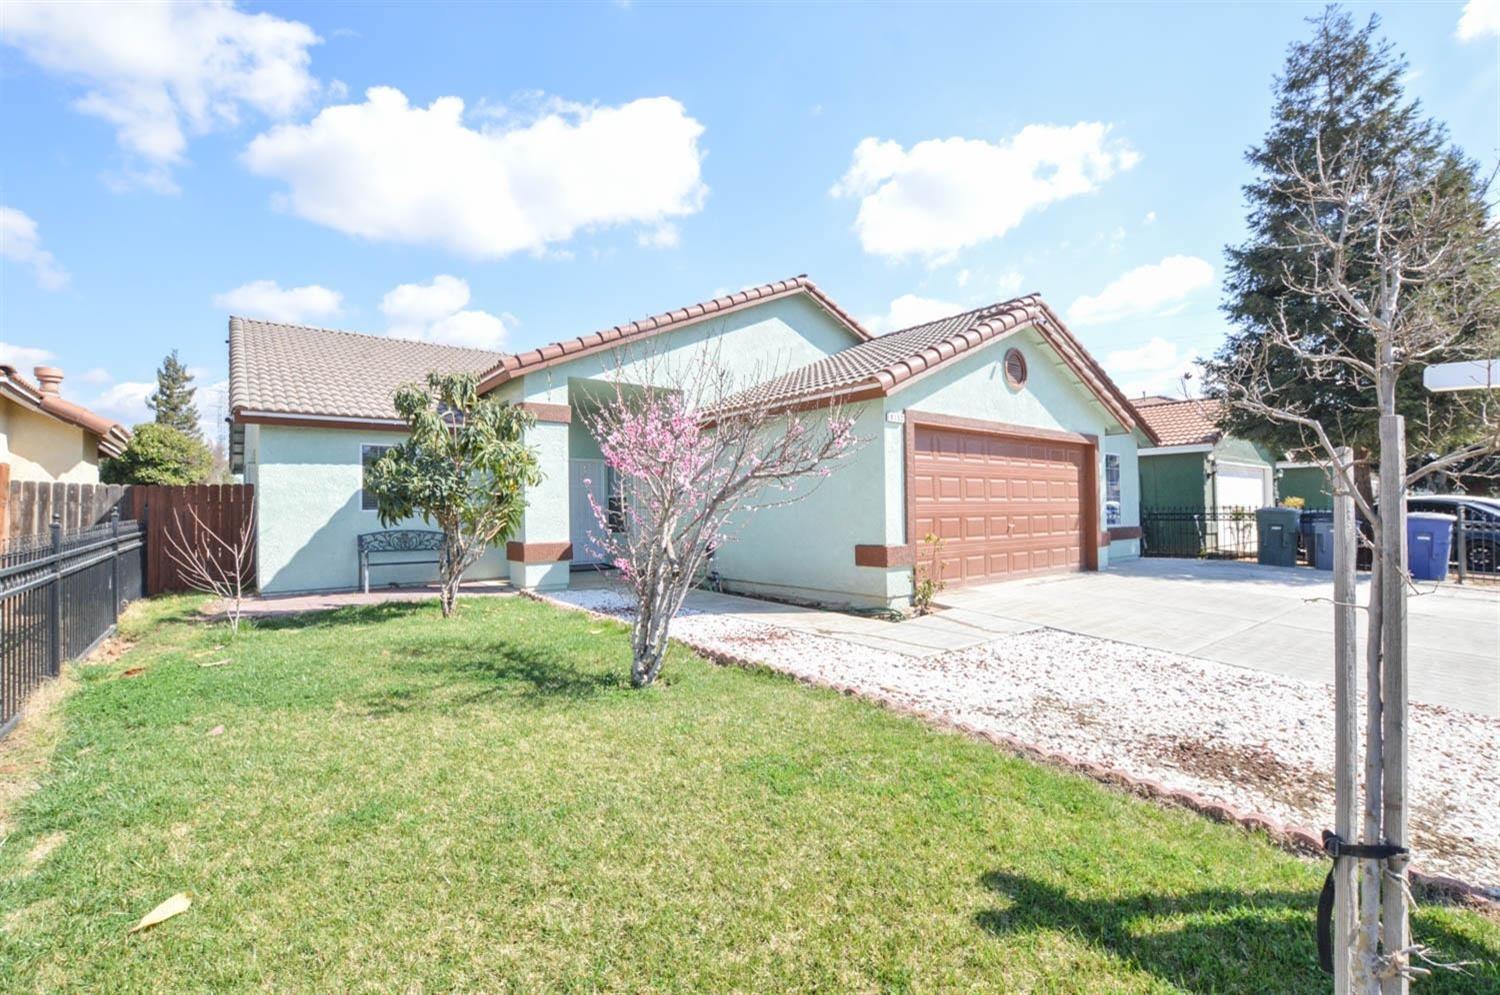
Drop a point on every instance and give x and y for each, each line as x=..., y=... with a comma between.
x=450, y=572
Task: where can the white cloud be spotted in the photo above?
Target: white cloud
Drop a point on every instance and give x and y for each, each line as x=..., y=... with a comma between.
x=1149, y=219
x=97, y=375
x=157, y=71
x=1010, y=283
x=1155, y=289
x=943, y=195
x=1155, y=368
x=1480, y=19
x=908, y=310
x=20, y=243
x=663, y=236
x=23, y=357
x=435, y=312
x=962, y=278
x=266, y=299
x=125, y=402
x=389, y=171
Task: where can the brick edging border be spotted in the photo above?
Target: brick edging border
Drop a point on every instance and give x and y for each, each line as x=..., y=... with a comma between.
x=1297, y=839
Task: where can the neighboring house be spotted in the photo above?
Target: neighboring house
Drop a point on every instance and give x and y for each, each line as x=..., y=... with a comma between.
x=1308, y=481
x=1194, y=466
x=993, y=428
x=46, y=438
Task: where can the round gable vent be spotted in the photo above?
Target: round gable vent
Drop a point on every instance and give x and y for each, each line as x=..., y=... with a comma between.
x=1015, y=369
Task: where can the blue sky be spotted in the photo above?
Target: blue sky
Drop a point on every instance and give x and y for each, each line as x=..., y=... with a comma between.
x=162, y=168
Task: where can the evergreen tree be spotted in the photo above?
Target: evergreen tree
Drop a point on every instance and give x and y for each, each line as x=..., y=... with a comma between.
x=173, y=399
x=1340, y=96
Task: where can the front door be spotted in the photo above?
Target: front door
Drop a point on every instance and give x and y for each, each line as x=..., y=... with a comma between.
x=585, y=479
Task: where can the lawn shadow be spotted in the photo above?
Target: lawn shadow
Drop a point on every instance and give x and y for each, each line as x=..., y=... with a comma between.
x=498, y=671
x=331, y=618
x=1213, y=940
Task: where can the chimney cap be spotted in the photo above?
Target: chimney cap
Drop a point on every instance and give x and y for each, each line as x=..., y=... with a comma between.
x=49, y=377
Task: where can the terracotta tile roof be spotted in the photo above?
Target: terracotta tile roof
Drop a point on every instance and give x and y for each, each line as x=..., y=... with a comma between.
x=555, y=352
x=113, y=436
x=884, y=364
x=285, y=369
x=1184, y=422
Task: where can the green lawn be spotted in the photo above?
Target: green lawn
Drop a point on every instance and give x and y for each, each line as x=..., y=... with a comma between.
x=399, y=803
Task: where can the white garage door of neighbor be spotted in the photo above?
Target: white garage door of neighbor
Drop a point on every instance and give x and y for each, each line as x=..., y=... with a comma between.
x=1240, y=486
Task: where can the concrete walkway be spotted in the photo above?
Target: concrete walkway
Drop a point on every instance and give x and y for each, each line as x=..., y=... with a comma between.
x=930, y=635
x=1274, y=619
x=278, y=605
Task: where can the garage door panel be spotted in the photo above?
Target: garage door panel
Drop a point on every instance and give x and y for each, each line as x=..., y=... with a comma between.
x=1004, y=506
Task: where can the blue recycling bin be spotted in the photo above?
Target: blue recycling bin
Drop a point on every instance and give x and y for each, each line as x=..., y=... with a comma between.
x=1322, y=545
x=1429, y=537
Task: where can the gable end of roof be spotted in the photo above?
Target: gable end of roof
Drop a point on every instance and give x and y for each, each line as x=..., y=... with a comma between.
x=555, y=352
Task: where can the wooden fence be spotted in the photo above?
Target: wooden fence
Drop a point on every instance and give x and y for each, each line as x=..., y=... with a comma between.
x=28, y=508
x=223, y=509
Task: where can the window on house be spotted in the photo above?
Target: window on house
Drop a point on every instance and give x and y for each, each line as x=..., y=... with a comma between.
x=615, y=498
x=367, y=457
x=1111, y=489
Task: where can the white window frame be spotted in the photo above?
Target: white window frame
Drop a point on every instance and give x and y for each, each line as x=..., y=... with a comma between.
x=1113, y=490
x=387, y=447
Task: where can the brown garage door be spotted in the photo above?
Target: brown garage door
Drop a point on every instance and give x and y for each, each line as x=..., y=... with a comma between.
x=1005, y=506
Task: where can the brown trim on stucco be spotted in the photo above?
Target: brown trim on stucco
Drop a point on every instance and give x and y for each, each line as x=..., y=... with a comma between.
x=558, y=414
x=1088, y=503
x=302, y=421
x=1118, y=532
x=883, y=556
x=538, y=552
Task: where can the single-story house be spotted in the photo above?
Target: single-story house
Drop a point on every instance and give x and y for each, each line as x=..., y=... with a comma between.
x=44, y=437
x=1195, y=466
x=993, y=428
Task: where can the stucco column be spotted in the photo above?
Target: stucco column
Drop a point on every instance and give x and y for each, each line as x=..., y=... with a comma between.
x=540, y=554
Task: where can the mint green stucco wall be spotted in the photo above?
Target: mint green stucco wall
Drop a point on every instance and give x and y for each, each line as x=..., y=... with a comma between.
x=308, y=511
x=753, y=344
x=1174, y=480
x=1310, y=483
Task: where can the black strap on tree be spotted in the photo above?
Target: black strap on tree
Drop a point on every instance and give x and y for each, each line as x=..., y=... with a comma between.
x=1336, y=848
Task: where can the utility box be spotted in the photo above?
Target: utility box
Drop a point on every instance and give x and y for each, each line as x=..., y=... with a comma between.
x=1277, y=532
x=1429, y=539
x=1322, y=545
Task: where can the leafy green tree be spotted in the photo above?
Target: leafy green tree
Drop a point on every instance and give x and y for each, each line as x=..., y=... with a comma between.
x=464, y=467
x=1339, y=103
x=173, y=398
x=159, y=454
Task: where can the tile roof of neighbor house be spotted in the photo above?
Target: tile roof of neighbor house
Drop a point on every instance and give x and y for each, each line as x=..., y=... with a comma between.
x=884, y=364
x=113, y=436
x=1181, y=422
x=282, y=369
x=555, y=352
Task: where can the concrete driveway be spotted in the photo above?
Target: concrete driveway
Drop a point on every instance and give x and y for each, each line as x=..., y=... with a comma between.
x=1274, y=619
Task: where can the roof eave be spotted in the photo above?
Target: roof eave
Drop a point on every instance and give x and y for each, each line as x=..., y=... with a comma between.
x=567, y=350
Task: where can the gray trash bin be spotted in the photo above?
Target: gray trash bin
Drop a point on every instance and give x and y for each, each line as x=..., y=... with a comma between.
x=1322, y=545
x=1276, y=529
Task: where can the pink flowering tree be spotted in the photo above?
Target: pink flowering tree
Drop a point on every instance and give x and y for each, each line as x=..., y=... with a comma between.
x=691, y=462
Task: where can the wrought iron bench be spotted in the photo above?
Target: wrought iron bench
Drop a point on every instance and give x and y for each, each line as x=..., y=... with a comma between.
x=396, y=541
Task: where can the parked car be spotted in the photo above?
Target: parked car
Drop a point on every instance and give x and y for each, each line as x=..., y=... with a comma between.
x=1481, y=523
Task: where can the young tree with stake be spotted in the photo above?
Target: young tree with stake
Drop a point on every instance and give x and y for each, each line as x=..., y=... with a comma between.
x=465, y=467
x=692, y=460
x=1373, y=255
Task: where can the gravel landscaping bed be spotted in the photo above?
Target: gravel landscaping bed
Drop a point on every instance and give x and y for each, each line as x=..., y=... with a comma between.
x=1253, y=741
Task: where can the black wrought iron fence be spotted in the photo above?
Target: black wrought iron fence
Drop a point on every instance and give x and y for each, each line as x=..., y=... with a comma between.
x=1203, y=533
x=59, y=595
